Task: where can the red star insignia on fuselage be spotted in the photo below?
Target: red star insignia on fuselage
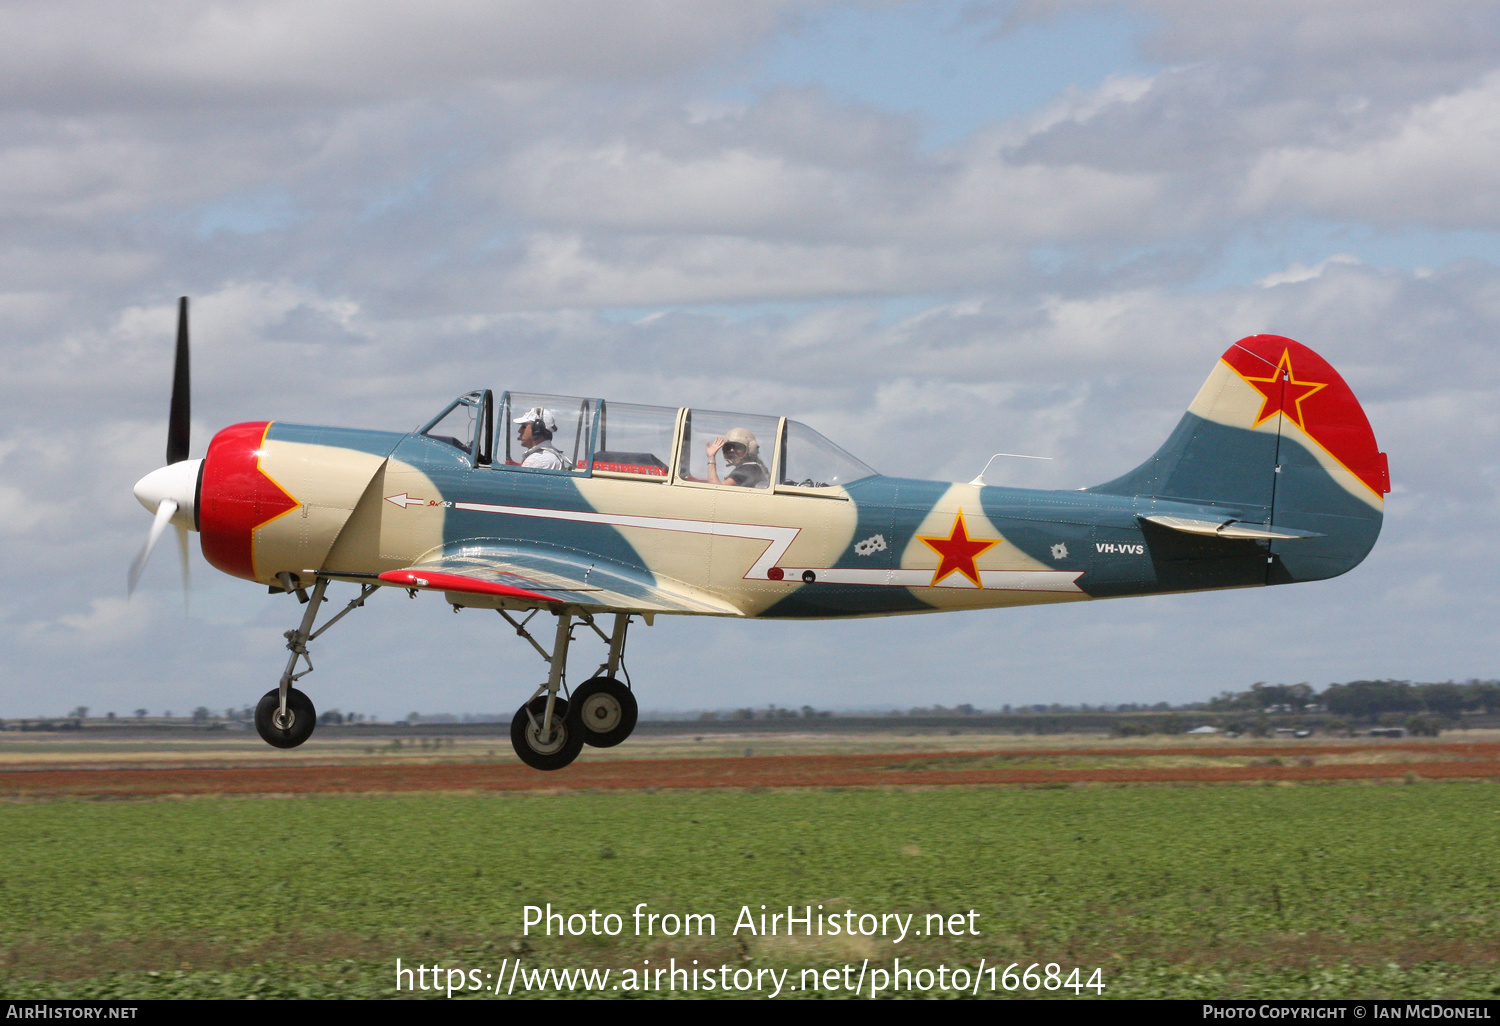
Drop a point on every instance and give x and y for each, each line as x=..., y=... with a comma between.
x=1283, y=396
x=958, y=552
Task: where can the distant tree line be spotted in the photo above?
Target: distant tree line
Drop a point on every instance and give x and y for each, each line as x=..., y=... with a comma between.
x=1367, y=699
x=770, y=712
x=1423, y=708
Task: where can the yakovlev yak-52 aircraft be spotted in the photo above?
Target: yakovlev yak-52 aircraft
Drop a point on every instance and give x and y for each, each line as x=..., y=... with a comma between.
x=585, y=507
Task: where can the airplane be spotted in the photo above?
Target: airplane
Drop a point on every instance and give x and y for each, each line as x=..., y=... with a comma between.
x=585, y=508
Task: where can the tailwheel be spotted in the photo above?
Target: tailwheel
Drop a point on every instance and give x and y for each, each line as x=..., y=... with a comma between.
x=551, y=751
x=605, y=709
x=291, y=729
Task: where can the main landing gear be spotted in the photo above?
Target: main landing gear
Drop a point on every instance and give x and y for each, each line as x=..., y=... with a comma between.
x=285, y=717
x=549, y=730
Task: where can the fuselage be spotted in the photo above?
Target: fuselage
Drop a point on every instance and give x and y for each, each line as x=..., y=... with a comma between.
x=281, y=498
x=1272, y=476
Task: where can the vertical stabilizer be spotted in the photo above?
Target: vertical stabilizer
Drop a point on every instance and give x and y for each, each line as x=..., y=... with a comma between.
x=1276, y=437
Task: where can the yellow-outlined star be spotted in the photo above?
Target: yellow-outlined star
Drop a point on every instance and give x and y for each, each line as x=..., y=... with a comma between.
x=958, y=552
x=1279, y=395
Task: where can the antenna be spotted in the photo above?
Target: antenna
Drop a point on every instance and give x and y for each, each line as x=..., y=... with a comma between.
x=1013, y=455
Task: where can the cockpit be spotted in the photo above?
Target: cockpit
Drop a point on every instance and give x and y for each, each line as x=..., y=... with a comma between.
x=553, y=434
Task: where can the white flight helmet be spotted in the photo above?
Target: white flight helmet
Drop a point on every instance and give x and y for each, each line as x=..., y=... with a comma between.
x=540, y=416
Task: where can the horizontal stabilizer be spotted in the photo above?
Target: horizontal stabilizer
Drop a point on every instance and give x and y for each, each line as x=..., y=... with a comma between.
x=1230, y=529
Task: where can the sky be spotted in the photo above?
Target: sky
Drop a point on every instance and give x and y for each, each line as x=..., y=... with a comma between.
x=930, y=230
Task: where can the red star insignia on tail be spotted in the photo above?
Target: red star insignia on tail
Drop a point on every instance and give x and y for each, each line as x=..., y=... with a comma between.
x=958, y=552
x=1283, y=392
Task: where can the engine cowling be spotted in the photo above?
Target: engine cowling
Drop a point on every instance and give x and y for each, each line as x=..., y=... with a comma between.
x=274, y=498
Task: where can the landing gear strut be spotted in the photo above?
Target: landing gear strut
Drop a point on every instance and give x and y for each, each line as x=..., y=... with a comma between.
x=604, y=706
x=285, y=717
x=540, y=732
x=549, y=731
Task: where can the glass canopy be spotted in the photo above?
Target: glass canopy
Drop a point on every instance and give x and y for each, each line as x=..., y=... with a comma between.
x=593, y=436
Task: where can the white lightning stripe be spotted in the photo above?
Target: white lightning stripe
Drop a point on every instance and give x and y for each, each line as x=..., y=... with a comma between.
x=779, y=538
x=1005, y=580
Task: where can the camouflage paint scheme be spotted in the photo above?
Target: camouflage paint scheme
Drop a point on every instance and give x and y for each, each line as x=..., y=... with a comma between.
x=1272, y=476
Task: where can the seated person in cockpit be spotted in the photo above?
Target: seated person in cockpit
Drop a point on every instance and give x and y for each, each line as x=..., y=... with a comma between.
x=742, y=453
x=537, y=426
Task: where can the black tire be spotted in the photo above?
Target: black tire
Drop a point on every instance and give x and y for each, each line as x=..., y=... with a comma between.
x=553, y=753
x=605, y=710
x=300, y=708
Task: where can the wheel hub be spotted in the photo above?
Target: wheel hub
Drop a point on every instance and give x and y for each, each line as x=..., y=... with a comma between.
x=547, y=745
x=602, y=713
x=550, y=749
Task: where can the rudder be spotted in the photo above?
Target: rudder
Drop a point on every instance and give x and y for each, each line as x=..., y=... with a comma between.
x=1276, y=435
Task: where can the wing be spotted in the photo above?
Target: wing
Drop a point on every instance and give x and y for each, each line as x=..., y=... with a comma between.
x=549, y=577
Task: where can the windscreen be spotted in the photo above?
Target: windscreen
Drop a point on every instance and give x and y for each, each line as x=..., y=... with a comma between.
x=809, y=460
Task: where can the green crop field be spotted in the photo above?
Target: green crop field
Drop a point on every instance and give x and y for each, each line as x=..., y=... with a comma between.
x=1245, y=891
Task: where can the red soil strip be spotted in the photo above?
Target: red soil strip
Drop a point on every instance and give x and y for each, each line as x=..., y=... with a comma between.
x=902, y=770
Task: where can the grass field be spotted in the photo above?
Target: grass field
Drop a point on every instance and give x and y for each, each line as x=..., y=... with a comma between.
x=1306, y=890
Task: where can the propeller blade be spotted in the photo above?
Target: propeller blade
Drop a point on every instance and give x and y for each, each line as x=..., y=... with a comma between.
x=177, y=426
x=182, y=552
x=163, y=517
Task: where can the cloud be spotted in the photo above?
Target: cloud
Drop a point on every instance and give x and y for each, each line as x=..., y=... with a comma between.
x=176, y=53
x=106, y=624
x=1435, y=166
x=1301, y=272
x=724, y=180
x=1384, y=50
